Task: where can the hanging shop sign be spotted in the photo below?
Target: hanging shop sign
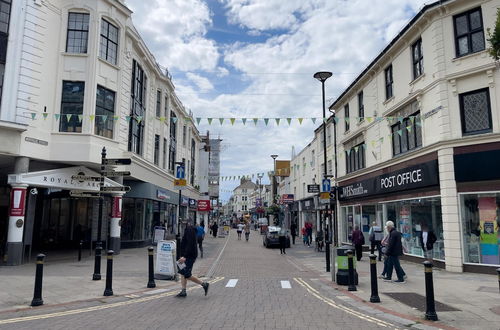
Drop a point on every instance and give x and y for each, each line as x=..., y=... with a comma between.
x=203, y=205
x=192, y=203
x=413, y=177
x=184, y=201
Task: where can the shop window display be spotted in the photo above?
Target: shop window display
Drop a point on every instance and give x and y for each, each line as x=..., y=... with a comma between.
x=480, y=215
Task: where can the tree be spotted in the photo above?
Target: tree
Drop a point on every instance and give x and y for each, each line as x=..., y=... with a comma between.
x=494, y=39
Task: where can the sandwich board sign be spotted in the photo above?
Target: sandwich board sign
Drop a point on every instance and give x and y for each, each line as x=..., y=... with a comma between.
x=165, y=262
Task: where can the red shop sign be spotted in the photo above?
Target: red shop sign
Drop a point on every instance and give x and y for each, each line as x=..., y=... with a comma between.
x=17, y=202
x=203, y=205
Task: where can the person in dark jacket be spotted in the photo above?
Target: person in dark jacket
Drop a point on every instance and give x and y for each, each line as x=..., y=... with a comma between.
x=293, y=231
x=215, y=228
x=358, y=240
x=189, y=253
x=427, y=240
x=393, y=251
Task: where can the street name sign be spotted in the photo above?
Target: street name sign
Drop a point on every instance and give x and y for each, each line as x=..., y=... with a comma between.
x=313, y=188
x=111, y=189
x=80, y=193
x=117, y=161
x=115, y=173
x=85, y=178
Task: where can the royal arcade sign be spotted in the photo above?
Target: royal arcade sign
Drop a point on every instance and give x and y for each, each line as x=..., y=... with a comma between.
x=413, y=177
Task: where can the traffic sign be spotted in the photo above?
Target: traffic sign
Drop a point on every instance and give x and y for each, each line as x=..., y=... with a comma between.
x=85, y=178
x=324, y=198
x=180, y=182
x=111, y=189
x=313, y=188
x=80, y=193
x=179, y=174
x=115, y=173
x=325, y=185
x=117, y=161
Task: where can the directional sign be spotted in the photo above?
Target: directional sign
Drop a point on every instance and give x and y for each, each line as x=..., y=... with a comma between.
x=324, y=198
x=325, y=185
x=80, y=193
x=117, y=161
x=313, y=188
x=115, y=173
x=111, y=189
x=85, y=178
x=180, y=172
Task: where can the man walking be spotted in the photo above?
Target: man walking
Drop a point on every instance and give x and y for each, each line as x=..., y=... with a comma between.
x=200, y=236
x=189, y=252
x=427, y=240
x=394, y=251
x=293, y=231
x=375, y=235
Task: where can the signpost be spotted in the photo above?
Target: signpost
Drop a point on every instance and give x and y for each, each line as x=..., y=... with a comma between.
x=80, y=193
x=313, y=188
x=85, y=178
x=113, y=189
x=114, y=174
x=117, y=161
x=325, y=185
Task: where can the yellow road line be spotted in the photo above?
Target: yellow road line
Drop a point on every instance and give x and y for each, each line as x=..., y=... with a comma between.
x=97, y=308
x=332, y=303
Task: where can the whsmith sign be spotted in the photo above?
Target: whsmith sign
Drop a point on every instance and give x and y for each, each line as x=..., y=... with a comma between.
x=418, y=176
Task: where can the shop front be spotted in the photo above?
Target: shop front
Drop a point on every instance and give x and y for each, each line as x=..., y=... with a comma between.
x=309, y=213
x=407, y=195
x=193, y=207
x=479, y=205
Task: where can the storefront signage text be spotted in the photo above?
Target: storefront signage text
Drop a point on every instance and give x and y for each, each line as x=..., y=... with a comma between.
x=401, y=179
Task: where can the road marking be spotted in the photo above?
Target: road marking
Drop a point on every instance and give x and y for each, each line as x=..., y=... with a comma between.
x=231, y=283
x=285, y=285
x=332, y=303
x=98, y=307
x=212, y=268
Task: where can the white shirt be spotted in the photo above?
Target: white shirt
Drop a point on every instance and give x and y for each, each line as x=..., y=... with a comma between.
x=424, y=238
x=240, y=227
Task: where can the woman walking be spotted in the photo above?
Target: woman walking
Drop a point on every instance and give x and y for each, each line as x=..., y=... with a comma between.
x=282, y=240
x=358, y=239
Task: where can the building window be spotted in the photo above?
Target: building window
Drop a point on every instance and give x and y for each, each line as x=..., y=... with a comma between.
x=71, y=106
x=109, y=42
x=5, y=6
x=355, y=158
x=475, y=111
x=184, y=133
x=158, y=103
x=361, y=107
x=156, y=155
x=303, y=165
x=346, y=115
x=173, y=143
x=407, y=134
x=417, y=59
x=313, y=159
x=165, y=108
x=78, y=33
x=104, y=110
x=193, y=155
x=388, y=83
x=469, y=33
x=138, y=104
x=164, y=153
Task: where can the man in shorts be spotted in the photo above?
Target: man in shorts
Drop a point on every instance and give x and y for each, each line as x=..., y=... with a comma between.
x=239, y=230
x=189, y=253
x=200, y=236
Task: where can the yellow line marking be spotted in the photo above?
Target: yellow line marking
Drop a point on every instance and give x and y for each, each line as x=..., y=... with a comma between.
x=332, y=303
x=97, y=308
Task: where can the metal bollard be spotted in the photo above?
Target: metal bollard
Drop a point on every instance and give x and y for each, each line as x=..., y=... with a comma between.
x=350, y=264
x=430, y=311
x=109, y=274
x=374, y=298
x=151, y=282
x=97, y=263
x=80, y=251
x=498, y=272
x=37, y=294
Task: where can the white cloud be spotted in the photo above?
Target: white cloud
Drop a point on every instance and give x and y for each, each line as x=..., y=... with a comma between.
x=203, y=83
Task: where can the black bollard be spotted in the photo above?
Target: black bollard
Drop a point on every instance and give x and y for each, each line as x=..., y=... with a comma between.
x=498, y=272
x=97, y=263
x=430, y=312
x=37, y=294
x=374, y=298
x=350, y=264
x=151, y=282
x=80, y=251
x=109, y=274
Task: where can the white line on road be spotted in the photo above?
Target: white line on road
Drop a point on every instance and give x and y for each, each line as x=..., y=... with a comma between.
x=285, y=285
x=231, y=283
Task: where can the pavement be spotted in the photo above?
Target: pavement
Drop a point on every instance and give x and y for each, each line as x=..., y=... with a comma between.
x=251, y=288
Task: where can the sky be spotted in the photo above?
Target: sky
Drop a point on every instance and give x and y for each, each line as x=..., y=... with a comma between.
x=257, y=58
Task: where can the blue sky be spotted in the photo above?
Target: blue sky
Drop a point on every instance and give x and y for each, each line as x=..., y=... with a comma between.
x=256, y=58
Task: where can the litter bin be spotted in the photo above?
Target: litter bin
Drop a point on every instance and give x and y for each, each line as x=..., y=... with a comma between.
x=343, y=267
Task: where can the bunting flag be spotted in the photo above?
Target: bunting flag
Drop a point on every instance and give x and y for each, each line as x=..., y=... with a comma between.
x=174, y=119
x=221, y=120
x=139, y=119
x=313, y=120
x=289, y=120
x=255, y=120
x=80, y=118
x=347, y=120
x=45, y=115
x=266, y=121
x=400, y=132
x=244, y=121
x=300, y=120
x=408, y=128
x=104, y=118
x=33, y=115
x=127, y=118
x=232, y=120
x=325, y=120
x=198, y=120
x=92, y=117
x=336, y=119
x=68, y=117
x=209, y=120
x=115, y=118
x=277, y=121
x=369, y=119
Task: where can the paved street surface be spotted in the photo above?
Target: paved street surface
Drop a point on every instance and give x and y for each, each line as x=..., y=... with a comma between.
x=252, y=288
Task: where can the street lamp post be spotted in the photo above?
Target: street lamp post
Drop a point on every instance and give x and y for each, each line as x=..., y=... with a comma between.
x=273, y=188
x=178, y=232
x=261, y=204
x=322, y=76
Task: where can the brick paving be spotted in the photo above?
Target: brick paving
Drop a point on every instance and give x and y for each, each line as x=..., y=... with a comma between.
x=256, y=302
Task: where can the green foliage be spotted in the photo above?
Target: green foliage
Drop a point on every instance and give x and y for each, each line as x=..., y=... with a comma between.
x=494, y=39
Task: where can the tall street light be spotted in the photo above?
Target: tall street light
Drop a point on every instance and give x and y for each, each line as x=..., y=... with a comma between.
x=273, y=188
x=322, y=76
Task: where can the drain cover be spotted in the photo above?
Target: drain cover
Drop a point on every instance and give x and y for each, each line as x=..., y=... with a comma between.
x=417, y=301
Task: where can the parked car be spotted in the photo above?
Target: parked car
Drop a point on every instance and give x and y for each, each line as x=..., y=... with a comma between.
x=271, y=237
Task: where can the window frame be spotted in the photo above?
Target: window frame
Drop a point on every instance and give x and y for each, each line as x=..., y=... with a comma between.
x=417, y=143
x=108, y=41
x=158, y=103
x=110, y=120
x=347, y=120
x=165, y=153
x=68, y=30
x=138, y=98
x=172, y=150
x=156, y=153
x=74, y=116
x=361, y=107
x=389, y=83
x=355, y=160
x=469, y=32
x=417, y=62
x=462, y=116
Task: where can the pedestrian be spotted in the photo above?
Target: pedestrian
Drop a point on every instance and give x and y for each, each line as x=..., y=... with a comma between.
x=303, y=232
x=384, y=243
x=200, y=236
x=358, y=239
x=247, y=231
x=215, y=228
x=293, y=231
x=282, y=240
x=375, y=236
x=393, y=252
x=239, y=230
x=427, y=240
x=319, y=240
x=189, y=253
x=309, y=231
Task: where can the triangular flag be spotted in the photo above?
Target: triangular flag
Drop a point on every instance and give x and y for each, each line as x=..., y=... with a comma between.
x=289, y=120
x=356, y=148
x=232, y=120
x=401, y=119
x=389, y=118
x=277, y=121
x=139, y=118
x=369, y=119
x=408, y=128
x=347, y=120
x=418, y=123
x=104, y=118
x=187, y=118
x=174, y=119
x=92, y=117
x=336, y=119
x=80, y=118
x=33, y=115
x=325, y=120
x=300, y=120
x=45, y=115
x=400, y=132
x=116, y=117
x=210, y=121
x=255, y=120
x=373, y=143
x=221, y=120
x=56, y=116
x=266, y=121
x=313, y=120
x=162, y=119
x=348, y=151
x=68, y=116
x=198, y=119
x=127, y=118
x=244, y=121
x=412, y=119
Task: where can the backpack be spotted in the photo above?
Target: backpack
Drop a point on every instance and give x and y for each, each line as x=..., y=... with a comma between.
x=378, y=234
